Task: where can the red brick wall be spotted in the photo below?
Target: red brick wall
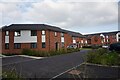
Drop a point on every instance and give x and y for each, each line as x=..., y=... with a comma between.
x=51, y=39
x=110, y=38
x=96, y=40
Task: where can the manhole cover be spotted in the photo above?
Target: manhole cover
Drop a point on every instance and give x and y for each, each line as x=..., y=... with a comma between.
x=74, y=72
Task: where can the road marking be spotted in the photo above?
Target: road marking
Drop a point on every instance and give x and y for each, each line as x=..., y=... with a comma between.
x=66, y=71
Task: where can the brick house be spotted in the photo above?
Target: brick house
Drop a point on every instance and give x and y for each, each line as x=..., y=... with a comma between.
x=104, y=38
x=16, y=37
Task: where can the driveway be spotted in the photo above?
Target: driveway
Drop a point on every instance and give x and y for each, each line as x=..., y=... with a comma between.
x=43, y=68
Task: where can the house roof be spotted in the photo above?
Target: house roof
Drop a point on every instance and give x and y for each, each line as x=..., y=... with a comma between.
x=74, y=34
x=104, y=33
x=14, y=27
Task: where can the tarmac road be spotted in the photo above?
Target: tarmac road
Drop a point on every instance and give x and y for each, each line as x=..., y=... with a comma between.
x=43, y=68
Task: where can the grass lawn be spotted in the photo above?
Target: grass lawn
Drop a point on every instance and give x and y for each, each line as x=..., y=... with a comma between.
x=86, y=49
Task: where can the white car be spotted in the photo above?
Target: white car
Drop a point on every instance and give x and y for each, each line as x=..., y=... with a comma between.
x=72, y=46
x=105, y=46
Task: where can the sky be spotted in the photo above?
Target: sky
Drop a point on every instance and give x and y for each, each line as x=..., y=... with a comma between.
x=84, y=16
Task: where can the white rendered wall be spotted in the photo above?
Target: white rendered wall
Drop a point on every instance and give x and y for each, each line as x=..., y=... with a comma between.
x=25, y=37
x=6, y=39
x=117, y=36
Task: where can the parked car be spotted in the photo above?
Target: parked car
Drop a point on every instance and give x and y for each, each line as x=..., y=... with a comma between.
x=74, y=46
x=105, y=46
x=115, y=47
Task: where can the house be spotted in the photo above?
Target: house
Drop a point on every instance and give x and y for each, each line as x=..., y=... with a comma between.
x=39, y=37
x=104, y=38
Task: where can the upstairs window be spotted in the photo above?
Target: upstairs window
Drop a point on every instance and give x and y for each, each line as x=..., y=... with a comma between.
x=17, y=33
x=33, y=45
x=17, y=45
x=7, y=33
x=33, y=33
x=62, y=34
x=118, y=35
x=6, y=45
x=55, y=34
x=43, y=32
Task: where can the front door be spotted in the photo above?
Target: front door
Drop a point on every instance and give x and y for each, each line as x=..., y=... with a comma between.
x=56, y=46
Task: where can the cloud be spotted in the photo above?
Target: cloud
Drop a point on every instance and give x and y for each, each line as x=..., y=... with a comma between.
x=74, y=14
x=61, y=13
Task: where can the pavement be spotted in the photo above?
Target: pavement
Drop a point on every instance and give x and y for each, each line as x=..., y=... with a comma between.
x=45, y=67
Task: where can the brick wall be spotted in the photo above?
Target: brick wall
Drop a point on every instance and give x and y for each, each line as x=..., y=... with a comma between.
x=51, y=39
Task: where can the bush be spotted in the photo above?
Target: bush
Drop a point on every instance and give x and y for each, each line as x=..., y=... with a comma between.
x=87, y=47
x=8, y=54
x=102, y=56
x=46, y=54
x=70, y=50
x=34, y=53
x=11, y=75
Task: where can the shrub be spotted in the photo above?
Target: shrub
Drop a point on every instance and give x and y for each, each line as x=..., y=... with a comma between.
x=102, y=56
x=70, y=50
x=87, y=47
x=35, y=53
x=46, y=54
x=8, y=54
x=11, y=75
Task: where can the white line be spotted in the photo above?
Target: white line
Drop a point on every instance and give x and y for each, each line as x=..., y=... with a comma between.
x=66, y=71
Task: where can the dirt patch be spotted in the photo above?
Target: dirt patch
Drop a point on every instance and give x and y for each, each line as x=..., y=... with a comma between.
x=74, y=72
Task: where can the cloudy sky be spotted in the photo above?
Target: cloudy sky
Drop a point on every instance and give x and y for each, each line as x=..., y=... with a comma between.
x=84, y=16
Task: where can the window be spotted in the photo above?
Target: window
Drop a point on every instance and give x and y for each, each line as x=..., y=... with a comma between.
x=17, y=33
x=33, y=33
x=6, y=45
x=33, y=45
x=106, y=36
x=81, y=41
x=73, y=38
x=119, y=35
x=62, y=34
x=62, y=45
x=43, y=38
x=7, y=33
x=43, y=45
x=55, y=34
x=43, y=32
x=17, y=45
x=62, y=39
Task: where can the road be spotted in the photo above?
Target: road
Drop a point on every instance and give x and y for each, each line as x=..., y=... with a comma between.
x=43, y=68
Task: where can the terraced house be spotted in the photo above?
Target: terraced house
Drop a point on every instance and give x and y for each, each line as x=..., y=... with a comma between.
x=16, y=37
x=104, y=38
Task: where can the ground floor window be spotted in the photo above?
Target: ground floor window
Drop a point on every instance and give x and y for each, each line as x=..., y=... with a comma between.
x=33, y=45
x=17, y=45
x=6, y=45
x=43, y=45
x=62, y=44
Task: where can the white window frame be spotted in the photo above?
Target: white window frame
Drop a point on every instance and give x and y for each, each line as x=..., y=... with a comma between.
x=16, y=34
x=43, y=38
x=43, y=32
x=55, y=33
x=6, y=33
